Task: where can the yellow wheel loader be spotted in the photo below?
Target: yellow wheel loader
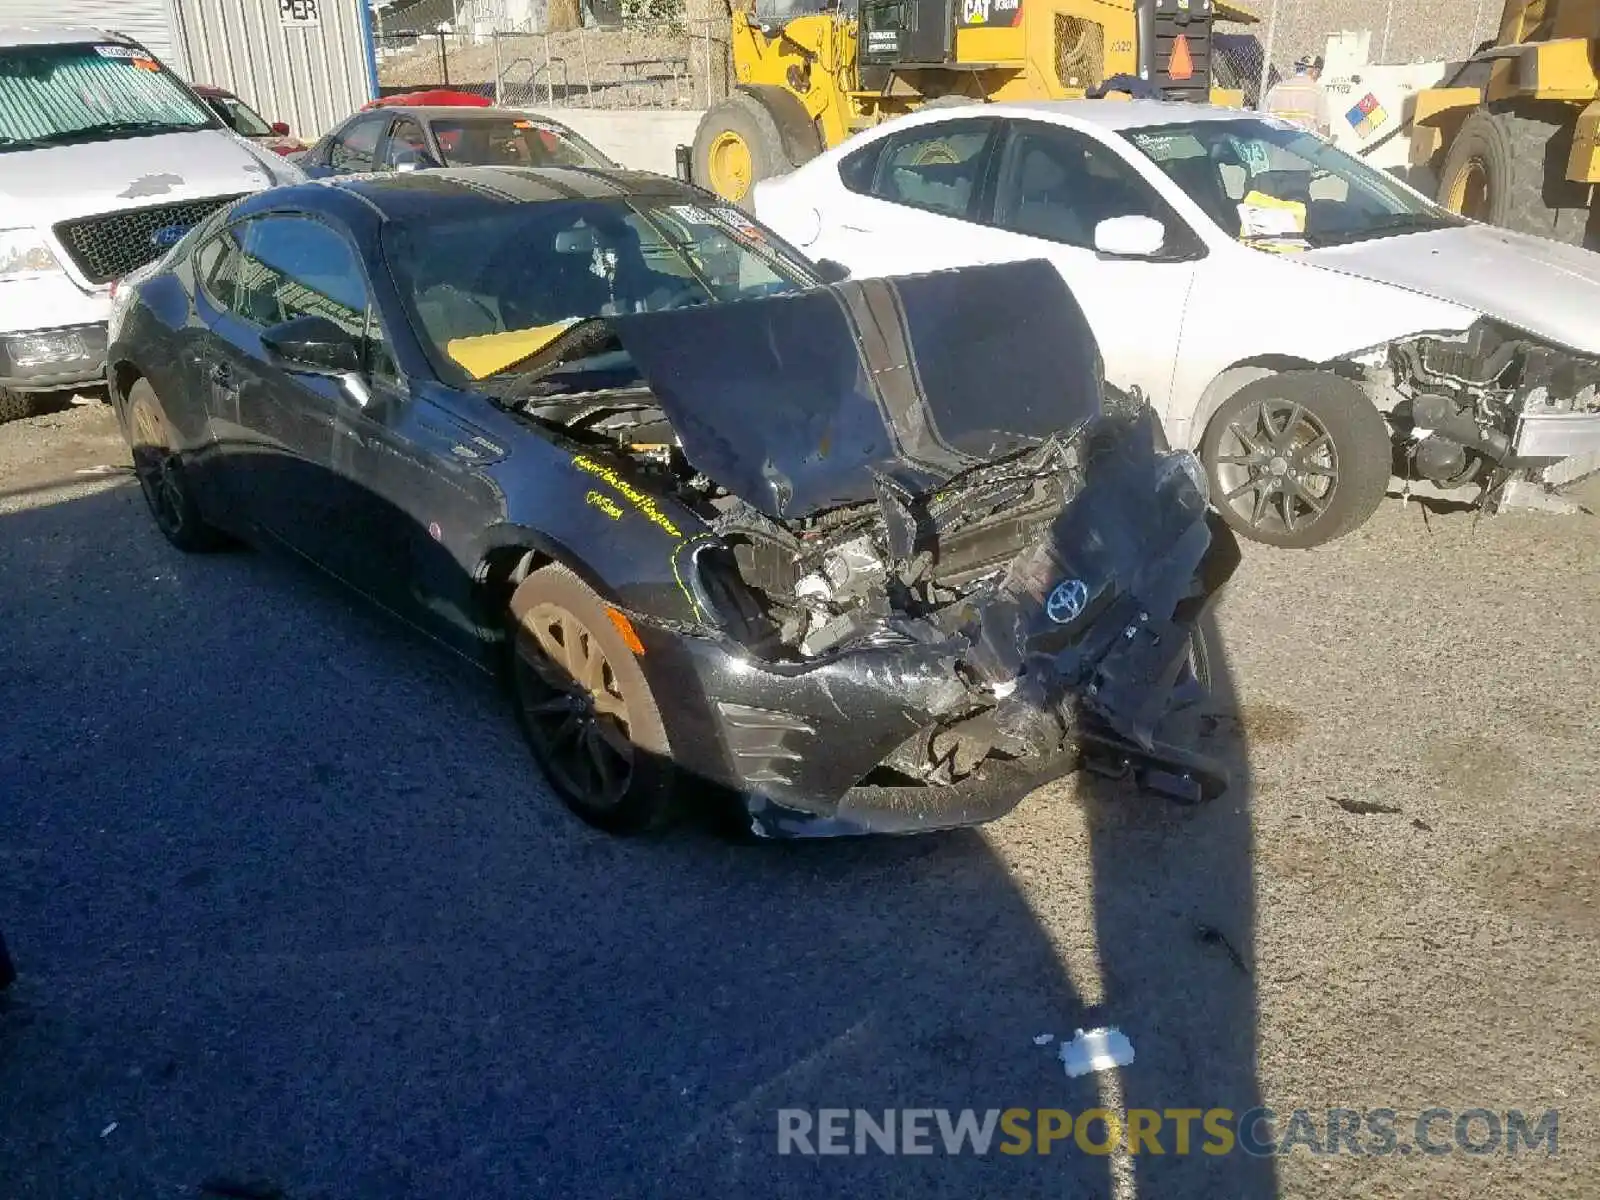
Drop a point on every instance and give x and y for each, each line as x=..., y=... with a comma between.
x=810, y=73
x=1512, y=136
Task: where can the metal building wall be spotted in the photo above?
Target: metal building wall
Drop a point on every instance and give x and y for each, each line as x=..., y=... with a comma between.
x=270, y=53
x=148, y=22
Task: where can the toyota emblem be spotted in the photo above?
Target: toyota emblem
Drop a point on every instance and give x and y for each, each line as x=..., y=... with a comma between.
x=1066, y=603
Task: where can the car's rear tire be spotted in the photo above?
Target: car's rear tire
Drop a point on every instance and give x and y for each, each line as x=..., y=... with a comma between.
x=160, y=471
x=586, y=707
x=1297, y=459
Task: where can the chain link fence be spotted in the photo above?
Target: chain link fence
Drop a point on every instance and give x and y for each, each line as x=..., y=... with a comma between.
x=1254, y=57
x=659, y=54
x=636, y=63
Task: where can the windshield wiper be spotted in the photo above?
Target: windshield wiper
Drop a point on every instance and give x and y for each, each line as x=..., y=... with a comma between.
x=1396, y=223
x=92, y=131
x=1310, y=239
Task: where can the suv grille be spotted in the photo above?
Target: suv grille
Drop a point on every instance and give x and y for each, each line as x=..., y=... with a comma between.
x=1192, y=22
x=107, y=247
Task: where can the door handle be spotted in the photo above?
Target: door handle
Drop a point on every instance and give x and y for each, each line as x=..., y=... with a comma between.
x=854, y=228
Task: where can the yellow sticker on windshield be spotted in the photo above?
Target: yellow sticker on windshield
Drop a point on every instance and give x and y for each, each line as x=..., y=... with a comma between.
x=1271, y=223
x=487, y=353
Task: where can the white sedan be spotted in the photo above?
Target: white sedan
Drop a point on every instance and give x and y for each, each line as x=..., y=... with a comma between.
x=1307, y=323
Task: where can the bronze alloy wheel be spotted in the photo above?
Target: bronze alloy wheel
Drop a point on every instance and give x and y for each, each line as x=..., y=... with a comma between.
x=159, y=469
x=574, y=706
x=586, y=705
x=155, y=465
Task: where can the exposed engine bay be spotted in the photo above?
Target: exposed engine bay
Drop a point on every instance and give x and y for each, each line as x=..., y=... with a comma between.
x=801, y=588
x=1463, y=399
x=1037, y=545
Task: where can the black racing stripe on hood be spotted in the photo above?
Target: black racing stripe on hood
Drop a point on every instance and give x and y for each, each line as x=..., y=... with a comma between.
x=516, y=186
x=879, y=321
x=806, y=401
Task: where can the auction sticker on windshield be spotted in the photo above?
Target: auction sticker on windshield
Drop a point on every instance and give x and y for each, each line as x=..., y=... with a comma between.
x=692, y=213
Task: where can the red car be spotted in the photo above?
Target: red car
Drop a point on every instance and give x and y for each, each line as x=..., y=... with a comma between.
x=247, y=122
x=432, y=98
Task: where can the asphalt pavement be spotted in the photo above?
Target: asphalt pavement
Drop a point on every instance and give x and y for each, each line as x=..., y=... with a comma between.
x=292, y=910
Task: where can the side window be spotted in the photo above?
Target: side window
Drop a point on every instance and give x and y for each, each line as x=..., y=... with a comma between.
x=857, y=169
x=216, y=267
x=291, y=267
x=937, y=167
x=1058, y=184
x=356, y=147
x=295, y=267
x=405, y=137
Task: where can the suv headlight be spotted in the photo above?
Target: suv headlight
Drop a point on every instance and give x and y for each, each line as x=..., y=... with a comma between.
x=24, y=253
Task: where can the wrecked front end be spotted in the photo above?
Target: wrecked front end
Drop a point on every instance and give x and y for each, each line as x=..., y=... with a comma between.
x=940, y=563
x=1492, y=408
x=1044, y=621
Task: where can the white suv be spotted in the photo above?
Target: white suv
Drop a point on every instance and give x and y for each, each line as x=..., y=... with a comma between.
x=106, y=160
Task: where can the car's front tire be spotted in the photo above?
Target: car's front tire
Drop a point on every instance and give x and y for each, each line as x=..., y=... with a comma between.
x=159, y=469
x=586, y=707
x=1297, y=459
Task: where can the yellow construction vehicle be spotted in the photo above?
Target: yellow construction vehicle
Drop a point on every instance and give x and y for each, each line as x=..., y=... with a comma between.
x=811, y=73
x=1514, y=134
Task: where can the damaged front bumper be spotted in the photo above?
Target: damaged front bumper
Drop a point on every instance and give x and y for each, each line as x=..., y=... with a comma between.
x=1558, y=435
x=799, y=744
x=812, y=749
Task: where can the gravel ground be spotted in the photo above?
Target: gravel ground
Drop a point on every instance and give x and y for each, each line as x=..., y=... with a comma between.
x=291, y=906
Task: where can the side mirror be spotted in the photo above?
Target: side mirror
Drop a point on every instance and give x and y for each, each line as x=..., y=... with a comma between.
x=406, y=161
x=281, y=128
x=316, y=346
x=312, y=346
x=832, y=272
x=1129, y=237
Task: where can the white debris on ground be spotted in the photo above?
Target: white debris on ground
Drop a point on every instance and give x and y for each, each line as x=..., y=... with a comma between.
x=1097, y=1050
x=1044, y=1039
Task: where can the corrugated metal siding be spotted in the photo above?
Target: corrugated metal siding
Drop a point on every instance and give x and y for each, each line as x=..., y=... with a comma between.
x=310, y=77
x=148, y=22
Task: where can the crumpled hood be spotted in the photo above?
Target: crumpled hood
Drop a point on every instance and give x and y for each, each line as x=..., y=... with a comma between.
x=1542, y=287
x=797, y=403
x=43, y=187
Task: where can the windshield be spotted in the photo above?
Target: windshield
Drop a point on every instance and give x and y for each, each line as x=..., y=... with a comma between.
x=241, y=118
x=1281, y=187
x=54, y=94
x=512, y=142
x=488, y=292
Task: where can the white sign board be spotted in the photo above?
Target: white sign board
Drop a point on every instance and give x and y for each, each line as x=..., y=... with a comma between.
x=300, y=14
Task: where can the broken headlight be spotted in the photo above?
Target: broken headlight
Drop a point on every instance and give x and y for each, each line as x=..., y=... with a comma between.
x=1183, y=463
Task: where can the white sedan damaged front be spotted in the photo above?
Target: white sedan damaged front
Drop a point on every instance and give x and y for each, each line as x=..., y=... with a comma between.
x=1490, y=407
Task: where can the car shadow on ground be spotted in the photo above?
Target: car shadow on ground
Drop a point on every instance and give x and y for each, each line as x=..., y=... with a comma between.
x=292, y=908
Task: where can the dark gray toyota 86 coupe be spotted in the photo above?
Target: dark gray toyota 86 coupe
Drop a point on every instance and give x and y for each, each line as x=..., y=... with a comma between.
x=845, y=555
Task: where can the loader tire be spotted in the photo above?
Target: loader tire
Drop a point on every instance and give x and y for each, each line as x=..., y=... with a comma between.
x=738, y=144
x=1509, y=168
